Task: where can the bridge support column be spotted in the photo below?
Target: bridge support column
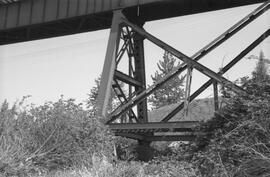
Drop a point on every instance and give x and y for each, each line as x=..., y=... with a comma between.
x=109, y=66
x=131, y=36
x=140, y=76
x=132, y=44
x=144, y=150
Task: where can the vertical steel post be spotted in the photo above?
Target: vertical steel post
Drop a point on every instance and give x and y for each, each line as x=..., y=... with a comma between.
x=187, y=91
x=216, y=104
x=109, y=65
x=140, y=76
x=130, y=88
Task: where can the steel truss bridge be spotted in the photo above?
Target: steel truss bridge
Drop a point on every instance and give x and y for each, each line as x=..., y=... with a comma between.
x=25, y=20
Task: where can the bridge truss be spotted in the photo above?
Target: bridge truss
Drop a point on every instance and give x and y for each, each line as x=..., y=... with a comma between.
x=130, y=119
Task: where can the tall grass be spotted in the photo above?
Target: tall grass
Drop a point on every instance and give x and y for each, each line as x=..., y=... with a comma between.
x=53, y=136
x=61, y=139
x=102, y=168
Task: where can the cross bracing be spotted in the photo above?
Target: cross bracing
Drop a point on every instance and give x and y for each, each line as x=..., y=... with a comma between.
x=125, y=116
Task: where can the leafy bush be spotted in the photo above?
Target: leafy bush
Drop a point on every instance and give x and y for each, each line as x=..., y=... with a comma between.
x=170, y=166
x=52, y=136
x=239, y=135
x=102, y=168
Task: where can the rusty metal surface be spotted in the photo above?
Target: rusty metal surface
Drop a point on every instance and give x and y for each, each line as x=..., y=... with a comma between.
x=36, y=19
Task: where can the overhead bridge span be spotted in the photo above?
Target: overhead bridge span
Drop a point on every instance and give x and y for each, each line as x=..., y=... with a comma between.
x=24, y=20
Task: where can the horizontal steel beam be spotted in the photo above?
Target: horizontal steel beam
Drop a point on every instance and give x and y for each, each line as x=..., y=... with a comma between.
x=189, y=61
x=171, y=138
x=153, y=125
x=223, y=70
x=126, y=79
x=157, y=138
x=131, y=136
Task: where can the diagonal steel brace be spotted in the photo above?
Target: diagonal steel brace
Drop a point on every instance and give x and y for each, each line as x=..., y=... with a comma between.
x=198, y=55
x=223, y=70
x=189, y=61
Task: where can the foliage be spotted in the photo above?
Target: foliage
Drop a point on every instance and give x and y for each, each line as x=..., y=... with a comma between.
x=55, y=135
x=125, y=148
x=261, y=70
x=172, y=91
x=169, y=166
x=156, y=168
x=93, y=98
x=238, y=137
x=62, y=139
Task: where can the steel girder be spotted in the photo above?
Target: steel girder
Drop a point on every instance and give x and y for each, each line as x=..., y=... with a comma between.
x=133, y=35
x=28, y=20
x=132, y=44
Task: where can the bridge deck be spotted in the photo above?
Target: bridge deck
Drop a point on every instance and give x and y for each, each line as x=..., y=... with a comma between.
x=156, y=131
x=36, y=19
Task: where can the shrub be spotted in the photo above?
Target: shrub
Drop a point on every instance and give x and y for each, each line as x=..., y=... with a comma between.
x=55, y=135
x=170, y=166
x=238, y=136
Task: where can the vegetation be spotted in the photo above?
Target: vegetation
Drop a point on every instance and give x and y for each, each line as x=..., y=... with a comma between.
x=199, y=110
x=238, y=140
x=172, y=91
x=52, y=136
x=63, y=139
x=93, y=96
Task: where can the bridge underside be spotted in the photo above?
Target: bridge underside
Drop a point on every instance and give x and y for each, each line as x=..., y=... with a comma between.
x=37, y=19
x=130, y=118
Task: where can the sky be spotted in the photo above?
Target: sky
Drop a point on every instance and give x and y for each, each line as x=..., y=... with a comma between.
x=49, y=68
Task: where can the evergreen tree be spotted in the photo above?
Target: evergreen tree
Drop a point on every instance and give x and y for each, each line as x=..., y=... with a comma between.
x=93, y=96
x=172, y=91
x=261, y=70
